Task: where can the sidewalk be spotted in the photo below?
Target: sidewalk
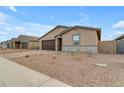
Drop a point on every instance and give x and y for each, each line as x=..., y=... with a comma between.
x=15, y=75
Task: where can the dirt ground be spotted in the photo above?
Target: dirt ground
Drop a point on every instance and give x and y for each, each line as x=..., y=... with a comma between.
x=6, y=51
x=76, y=69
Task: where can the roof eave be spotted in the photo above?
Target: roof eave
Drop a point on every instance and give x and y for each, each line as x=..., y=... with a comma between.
x=53, y=29
x=83, y=27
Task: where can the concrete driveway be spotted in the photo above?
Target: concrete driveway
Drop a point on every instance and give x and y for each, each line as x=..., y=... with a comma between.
x=15, y=75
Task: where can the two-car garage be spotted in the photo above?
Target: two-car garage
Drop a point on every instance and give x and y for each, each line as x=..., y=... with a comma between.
x=48, y=45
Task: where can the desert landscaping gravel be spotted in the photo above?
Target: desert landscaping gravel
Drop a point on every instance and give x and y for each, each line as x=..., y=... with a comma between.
x=76, y=69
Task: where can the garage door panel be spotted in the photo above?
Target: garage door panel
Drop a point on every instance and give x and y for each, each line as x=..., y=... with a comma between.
x=48, y=45
x=120, y=47
x=25, y=45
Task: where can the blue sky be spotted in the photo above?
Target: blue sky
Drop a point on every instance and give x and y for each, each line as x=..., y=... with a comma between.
x=38, y=20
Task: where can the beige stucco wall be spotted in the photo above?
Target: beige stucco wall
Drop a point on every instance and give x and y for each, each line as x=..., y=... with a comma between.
x=51, y=35
x=33, y=45
x=107, y=47
x=88, y=40
x=87, y=37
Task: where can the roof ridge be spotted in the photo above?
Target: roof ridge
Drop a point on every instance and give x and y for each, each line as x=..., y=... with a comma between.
x=62, y=26
x=28, y=36
x=84, y=27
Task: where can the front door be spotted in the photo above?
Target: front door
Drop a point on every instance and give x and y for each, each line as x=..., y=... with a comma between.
x=59, y=44
x=24, y=45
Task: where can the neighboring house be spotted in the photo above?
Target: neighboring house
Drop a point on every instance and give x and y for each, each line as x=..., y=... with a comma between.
x=120, y=44
x=4, y=44
x=76, y=38
x=8, y=43
x=115, y=46
x=25, y=42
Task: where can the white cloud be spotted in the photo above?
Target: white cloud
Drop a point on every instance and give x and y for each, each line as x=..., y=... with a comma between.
x=30, y=28
x=3, y=33
x=118, y=25
x=12, y=8
x=119, y=33
x=14, y=27
x=115, y=34
x=33, y=29
x=84, y=18
x=80, y=7
x=3, y=17
x=29, y=33
x=23, y=13
x=36, y=28
x=19, y=29
x=8, y=28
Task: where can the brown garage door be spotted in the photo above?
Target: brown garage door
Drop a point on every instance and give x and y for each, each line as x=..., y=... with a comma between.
x=48, y=45
x=25, y=45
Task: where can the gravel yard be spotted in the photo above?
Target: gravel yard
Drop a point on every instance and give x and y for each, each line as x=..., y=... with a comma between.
x=7, y=51
x=76, y=69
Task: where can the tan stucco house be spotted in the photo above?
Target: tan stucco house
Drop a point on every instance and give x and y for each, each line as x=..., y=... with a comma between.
x=24, y=42
x=76, y=38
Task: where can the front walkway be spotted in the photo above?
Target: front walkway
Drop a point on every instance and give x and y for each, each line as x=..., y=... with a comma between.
x=15, y=75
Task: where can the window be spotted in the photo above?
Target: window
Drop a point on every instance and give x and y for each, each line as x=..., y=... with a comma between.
x=76, y=39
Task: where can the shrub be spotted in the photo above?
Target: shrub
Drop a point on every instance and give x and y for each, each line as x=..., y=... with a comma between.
x=27, y=56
